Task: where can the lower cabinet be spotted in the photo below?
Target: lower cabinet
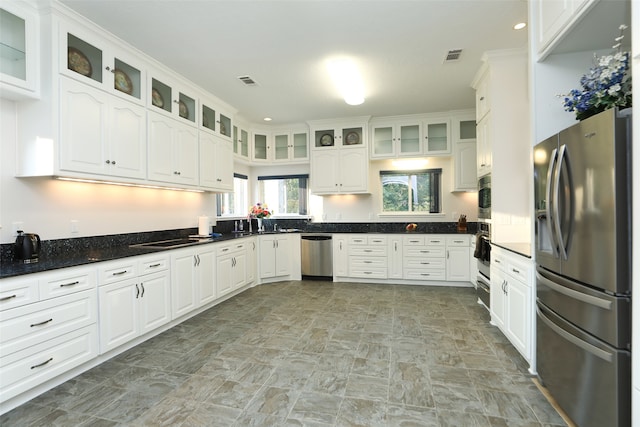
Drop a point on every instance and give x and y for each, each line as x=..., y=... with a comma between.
x=512, y=299
x=192, y=279
x=368, y=257
x=424, y=257
x=134, y=306
x=395, y=270
x=340, y=244
x=231, y=266
x=458, y=259
x=275, y=255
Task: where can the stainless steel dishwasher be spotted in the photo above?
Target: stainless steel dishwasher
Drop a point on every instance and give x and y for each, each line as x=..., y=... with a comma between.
x=316, y=254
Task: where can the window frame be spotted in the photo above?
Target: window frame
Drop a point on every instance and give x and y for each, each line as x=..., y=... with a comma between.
x=435, y=192
x=303, y=202
x=242, y=205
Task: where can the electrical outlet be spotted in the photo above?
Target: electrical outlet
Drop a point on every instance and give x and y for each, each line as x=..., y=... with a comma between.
x=17, y=225
x=74, y=226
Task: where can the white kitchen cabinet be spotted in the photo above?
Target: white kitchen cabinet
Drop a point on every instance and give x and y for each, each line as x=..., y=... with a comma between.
x=132, y=304
x=192, y=279
x=231, y=266
x=275, y=255
x=19, y=291
x=339, y=171
x=241, y=142
x=19, y=51
x=512, y=299
x=261, y=145
x=555, y=18
x=251, y=264
x=172, y=151
x=216, y=163
x=424, y=257
x=368, y=256
x=395, y=267
x=290, y=146
x=457, y=262
x=484, y=151
x=171, y=97
x=437, y=137
x=332, y=134
x=99, y=133
x=340, y=244
x=396, y=138
x=464, y=154
x=216, y=120
x=88, y=58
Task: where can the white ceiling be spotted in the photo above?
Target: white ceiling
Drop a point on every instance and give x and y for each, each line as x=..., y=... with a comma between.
x=398, y=45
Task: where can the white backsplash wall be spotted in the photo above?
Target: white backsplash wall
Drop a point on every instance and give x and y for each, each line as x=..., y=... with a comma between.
x=47, y=206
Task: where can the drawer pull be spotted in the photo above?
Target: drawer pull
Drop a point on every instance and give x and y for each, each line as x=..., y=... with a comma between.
x=425, y=263
x=377, y=241
x=515, y=270
x=458, y=241
x=497, y=261
x=8, y=298
x=155, y=265
x=358, y=240
x=368, y=250
x=368, y=272
x=425, y=274
x=435, y=241
x=42, y=364
x=41, y=323
x=225, y=249
x=119, y=273
x=368, y=262
x=64, y=285
x=414, y=241
x=424, y=252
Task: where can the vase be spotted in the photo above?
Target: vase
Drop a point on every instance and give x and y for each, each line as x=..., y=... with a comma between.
x=260, y=226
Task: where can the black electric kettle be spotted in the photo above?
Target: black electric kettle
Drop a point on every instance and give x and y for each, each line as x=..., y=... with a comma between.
x=27, y=247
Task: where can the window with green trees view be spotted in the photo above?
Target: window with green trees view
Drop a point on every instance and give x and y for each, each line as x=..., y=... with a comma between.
x=411, y=191
x=285, y=194
x=235, y=203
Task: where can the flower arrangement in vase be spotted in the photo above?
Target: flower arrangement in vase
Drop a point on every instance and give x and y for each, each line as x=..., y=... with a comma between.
x=606, y=85
x=260, y=211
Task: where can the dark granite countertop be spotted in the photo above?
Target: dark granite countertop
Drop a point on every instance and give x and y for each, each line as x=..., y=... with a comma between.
x=64, y=253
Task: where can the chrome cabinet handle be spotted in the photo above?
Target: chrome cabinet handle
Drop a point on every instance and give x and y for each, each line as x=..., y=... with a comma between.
x=119, y=273
x=8, y=297
x=142, y=286
x=155, y=265
x=41, y=323
x=137, y=291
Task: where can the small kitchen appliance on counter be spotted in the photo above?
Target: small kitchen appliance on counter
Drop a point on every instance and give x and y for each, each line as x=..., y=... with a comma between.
x=27, y=247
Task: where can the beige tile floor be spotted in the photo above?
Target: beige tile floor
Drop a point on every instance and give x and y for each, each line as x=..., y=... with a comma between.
x=311, y=353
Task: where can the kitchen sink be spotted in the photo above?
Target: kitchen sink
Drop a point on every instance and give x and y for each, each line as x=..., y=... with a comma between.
x=171, y=244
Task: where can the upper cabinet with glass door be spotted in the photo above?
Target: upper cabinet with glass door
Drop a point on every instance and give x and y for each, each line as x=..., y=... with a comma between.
x=337, y=134
x=290, y=146
x=396, y=139
x=216, y=120
x=437, y=137
x=19, y=64
x=171, y=97
x=91, y=60
x=240, y=138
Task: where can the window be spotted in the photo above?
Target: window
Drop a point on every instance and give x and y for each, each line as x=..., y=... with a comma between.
x=411, y=191
x=236, y=203
x=285, y=194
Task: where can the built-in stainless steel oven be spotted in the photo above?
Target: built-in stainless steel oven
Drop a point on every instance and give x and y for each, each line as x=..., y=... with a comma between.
x=483, y=255
x=484, y=197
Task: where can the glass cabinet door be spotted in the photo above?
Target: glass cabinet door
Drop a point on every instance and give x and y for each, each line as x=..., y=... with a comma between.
x=281, y=144
x=437, y=137
x=13, y=45
x=209, y=121
x=161, y=95
x=260, y=147
x=325, y=138
x=352, y=136
x=244, y=143
x=383, y=141
x=127, y=79
x=186, y=107
x=84, y=58
x=467, y=130
x=409, y=139
x=225, y=125
x=300, y=146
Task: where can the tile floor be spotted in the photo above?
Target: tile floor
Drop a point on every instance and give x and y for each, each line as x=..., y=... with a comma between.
x=311, y=354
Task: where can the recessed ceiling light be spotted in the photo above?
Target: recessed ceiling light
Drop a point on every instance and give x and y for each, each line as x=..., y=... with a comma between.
x=519, y=25
x=267, y=119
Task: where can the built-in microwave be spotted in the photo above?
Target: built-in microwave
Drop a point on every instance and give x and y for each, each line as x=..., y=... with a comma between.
x=484, y=197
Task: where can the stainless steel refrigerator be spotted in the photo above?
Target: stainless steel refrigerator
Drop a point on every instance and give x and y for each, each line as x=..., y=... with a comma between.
x=583, y=274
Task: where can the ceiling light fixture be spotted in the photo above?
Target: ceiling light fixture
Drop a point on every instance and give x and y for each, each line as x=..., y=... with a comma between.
x=520, y=26
x=267, y=119
x=347, y=79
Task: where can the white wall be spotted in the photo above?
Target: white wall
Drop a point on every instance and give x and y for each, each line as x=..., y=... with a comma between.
x=47, y=206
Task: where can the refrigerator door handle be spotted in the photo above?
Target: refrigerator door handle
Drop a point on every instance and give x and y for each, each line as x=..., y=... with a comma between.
x=588, y=299
x=604, y=355
x=549, y=206
x=556, y=196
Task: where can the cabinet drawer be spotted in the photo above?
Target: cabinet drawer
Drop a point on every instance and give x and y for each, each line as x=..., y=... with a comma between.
x=26, y=369
x=458, y=241
x=368, y=262
x=75, y=280
x=438, y=263
x=425, y=251
x=434, y=241
x=368, y=250
x=26, y=326
x=18, y=292
x=368, y=273
x=231, y=248
x=361, y=240
x=519, y=270
x=420, y=274
x=377, y=240
x=413, y=240
x=151, y=265
x=114, y=272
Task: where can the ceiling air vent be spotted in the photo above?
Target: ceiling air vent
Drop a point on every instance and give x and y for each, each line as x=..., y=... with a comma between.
x=453, y=55
x=247, y=80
